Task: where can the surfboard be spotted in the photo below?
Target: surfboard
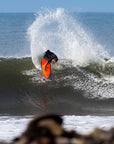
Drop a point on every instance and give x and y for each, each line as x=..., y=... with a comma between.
x=46, y=71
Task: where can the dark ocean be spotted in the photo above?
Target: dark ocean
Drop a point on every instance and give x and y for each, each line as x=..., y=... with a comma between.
x=82, y=83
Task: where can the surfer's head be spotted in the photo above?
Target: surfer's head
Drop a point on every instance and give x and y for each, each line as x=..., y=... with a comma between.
x=55, y=59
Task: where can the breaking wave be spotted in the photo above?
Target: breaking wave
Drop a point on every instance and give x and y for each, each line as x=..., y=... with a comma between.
x=83, y=79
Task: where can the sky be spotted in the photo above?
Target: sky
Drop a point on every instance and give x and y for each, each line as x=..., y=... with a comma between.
x=69, y=5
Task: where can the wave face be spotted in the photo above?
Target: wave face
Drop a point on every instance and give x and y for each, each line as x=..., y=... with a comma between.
x=24, y=90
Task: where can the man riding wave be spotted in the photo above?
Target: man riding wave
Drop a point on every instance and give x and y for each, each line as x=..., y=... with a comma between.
x=50, y=56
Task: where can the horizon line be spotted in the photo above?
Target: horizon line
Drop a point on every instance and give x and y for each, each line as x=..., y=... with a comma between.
x=70, y=12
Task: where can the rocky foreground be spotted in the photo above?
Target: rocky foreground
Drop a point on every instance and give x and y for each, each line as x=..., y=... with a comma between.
x=48, y=129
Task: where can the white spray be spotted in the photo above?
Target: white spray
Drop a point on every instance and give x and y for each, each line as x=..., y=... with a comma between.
x=60, y=33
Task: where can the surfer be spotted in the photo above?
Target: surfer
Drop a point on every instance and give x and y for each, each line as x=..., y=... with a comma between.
x=50, y=56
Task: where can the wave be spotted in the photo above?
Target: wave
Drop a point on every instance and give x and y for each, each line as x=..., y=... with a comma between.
x=60, y=32
x=83, y=78
x=23, y=89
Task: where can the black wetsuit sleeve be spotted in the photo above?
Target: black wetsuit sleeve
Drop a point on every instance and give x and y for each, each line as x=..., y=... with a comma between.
x=52, y=57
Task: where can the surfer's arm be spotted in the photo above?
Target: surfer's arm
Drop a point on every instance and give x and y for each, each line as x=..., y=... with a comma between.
x=47, y=64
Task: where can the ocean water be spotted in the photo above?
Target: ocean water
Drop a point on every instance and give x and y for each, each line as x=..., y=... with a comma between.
x=82, y=82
